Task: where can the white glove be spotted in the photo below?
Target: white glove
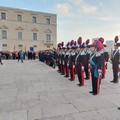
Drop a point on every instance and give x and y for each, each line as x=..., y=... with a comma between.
x=67, y=64
x=118, y=74
x=100, y=71
x=89, y=64
x=82, y=67
x=100, y=74
x=119, y=65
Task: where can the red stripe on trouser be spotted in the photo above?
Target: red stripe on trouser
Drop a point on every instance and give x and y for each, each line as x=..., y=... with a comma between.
x=75, y=70
x=60, y=68
x=98, y=84
x=64, y=69
x=82, y=75
x=88, y=71
x=118, y=73
x=73, y=73
x=67, y=69
x=104, y=69
x=118, y=69
x=89, y=74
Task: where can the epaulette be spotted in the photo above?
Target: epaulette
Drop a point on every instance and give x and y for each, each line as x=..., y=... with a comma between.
x=67, y=53
x=73, y=53
x=104, y=50
x=83, y=53
x=101, y=52
x=63, y=53
x=98, y=54
x=89, y=52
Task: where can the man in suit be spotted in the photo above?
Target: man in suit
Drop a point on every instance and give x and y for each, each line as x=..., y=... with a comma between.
x=115, y=62
x=1, y=58
x=21, y=56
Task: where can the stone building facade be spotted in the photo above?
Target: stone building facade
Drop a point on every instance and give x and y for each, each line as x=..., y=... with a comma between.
x=27, y=30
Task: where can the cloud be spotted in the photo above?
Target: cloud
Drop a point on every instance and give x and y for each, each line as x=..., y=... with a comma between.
x=105, y=18
x=73, y=8
x=115, y=25
x=63, y=9
x=75, y=2
x=88, y=9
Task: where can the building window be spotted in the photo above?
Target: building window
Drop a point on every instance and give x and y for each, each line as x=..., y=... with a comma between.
x=19, y=35
x=34, y=19
x=48, y=20
x=4, y=45
x=19, y=17
x=3, y=15
x=20, y=45
x=48, y=37
x=35, y=46
x=4, y=34
x=48, y=46
x=34, y=36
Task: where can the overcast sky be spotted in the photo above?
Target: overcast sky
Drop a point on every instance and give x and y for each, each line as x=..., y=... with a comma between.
x=85, y=18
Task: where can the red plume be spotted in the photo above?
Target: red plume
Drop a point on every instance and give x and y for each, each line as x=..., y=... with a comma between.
x=116, y=39
x=72, y=41
x=79, y=41
x=62, y=44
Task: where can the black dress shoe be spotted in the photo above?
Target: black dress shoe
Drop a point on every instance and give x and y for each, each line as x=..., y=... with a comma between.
x=94, y=93
x=79, y=84
x=90, y=91
x=116, y=82
x=118, y=108
x=112, y=81
x=65, y=76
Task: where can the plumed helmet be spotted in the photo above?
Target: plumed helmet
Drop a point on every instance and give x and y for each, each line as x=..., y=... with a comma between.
x=98, y=45
x=87, y=42
x=62, y=44
x=101, y=40
x=74, y=43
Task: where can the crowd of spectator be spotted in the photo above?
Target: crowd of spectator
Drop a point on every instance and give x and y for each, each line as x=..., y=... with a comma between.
x=48, y=57
x=7, y=55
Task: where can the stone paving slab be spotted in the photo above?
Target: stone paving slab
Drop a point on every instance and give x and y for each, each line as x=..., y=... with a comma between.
x=35, y=91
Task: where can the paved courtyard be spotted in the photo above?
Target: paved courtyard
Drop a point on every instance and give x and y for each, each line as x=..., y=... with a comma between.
x=35, y=91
